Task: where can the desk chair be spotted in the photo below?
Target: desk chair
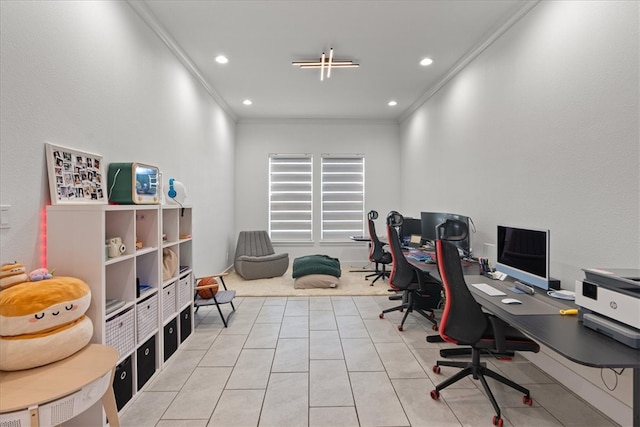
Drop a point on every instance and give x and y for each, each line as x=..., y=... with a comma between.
x=420, y=291
x=464, y=323
x=377, y=253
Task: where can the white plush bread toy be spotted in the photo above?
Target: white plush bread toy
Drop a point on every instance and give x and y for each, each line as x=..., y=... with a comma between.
x=12, y=274
x=43, y=322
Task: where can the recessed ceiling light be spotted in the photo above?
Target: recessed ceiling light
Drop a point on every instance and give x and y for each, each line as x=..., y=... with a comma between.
x=247, y=102
x=221, y=59
x=392, y=103
x=426, y=61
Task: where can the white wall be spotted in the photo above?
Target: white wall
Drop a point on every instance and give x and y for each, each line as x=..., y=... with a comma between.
x=91, y=75
x=542, y=130
x=379, y=142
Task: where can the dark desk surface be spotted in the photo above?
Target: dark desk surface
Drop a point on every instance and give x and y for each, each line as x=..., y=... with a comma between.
x=563, y=334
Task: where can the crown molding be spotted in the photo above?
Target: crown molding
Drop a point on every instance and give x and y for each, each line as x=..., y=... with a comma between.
x=316, y=121
x=469, y=57
x=141, y=8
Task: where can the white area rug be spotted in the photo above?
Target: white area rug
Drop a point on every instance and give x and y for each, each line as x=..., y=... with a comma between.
x=350, y=284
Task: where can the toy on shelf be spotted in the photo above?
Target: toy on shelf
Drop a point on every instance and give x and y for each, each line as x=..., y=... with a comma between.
x=115, y=247
x=40, y=274
x=12, y=274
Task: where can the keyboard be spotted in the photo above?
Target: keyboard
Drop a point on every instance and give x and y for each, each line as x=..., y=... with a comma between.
x=422, y=257
x=488, y=289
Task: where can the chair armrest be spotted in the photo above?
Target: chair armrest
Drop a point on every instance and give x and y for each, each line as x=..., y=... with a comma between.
x=197, y=288
x=425, y=279
x=212, y=275
x=499, y=328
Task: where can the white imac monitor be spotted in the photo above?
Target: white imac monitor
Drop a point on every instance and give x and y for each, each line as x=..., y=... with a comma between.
x=523, y=253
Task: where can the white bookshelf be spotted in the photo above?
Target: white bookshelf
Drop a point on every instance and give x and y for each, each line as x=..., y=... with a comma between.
x=144, y=334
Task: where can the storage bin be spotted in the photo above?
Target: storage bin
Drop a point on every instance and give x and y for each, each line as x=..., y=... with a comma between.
x=168, y=301
x=185, y=324
x=123, y=383
x=185, y=290
x=147, y=317
x=119, y=331
x=170, y=338
x=146, y=358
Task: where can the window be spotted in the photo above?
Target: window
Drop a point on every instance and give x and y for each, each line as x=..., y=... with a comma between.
x=342, y=196
x=291, y=197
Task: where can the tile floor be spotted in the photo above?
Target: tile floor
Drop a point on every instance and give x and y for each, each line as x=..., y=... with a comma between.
x=331, y=361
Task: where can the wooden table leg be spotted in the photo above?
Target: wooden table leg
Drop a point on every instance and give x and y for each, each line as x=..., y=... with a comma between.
x=35, y=416
x=109, y=404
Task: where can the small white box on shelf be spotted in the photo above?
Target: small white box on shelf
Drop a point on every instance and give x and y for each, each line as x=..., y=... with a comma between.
x=185, y=290
x=147, y=317
x=168, y=301
x=120, y=332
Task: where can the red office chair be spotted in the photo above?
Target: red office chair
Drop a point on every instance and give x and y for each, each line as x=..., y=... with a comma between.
x=420, y=292
x=464, y=323
x=377, y=254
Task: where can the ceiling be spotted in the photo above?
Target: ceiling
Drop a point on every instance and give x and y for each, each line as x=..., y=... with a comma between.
x=387, y=39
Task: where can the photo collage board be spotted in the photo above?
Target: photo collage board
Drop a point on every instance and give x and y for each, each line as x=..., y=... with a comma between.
x=75, y=176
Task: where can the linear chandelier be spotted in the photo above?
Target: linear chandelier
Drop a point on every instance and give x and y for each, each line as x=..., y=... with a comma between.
x=326, y=63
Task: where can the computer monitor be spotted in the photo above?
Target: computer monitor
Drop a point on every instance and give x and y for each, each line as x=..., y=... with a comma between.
x=430, y=222
x=410, y=227
x=523, y=253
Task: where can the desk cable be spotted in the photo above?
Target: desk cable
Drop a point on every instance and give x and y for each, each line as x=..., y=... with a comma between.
x=617, y=374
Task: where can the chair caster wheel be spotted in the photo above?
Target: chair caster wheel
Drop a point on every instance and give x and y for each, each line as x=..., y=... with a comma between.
x=436, y=369
x=432, y=316
x=401, y=310
x=497, y=421
x=381, y=315
x=434, y=327
x=400, y=328
x=527, y=400
x=435, y=395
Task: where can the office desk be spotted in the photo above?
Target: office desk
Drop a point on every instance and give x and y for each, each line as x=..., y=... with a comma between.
x=563, y=334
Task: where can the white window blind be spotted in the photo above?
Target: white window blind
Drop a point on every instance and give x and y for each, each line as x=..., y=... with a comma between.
x=342, y=196
x=290, y=197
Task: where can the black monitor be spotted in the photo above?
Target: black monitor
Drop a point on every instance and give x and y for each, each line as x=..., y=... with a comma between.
x=410, y=227
x=430, y=222
x=523, y=253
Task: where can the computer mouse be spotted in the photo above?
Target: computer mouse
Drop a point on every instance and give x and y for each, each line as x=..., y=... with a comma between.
x=511, y=301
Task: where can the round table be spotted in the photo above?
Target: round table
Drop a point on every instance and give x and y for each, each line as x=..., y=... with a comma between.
x=62, y=389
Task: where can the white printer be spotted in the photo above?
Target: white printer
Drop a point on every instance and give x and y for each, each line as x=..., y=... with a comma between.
x=609, y=300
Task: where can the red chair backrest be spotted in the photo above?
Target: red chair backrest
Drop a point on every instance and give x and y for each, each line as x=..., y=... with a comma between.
x=402, y=273
x=463, y=321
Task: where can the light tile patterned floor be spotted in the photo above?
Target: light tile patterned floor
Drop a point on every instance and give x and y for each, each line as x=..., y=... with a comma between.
x=331, y=361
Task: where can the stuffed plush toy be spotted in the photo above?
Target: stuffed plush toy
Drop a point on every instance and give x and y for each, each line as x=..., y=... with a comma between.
x=12, y=274
x=43, y=322
x=39, y=274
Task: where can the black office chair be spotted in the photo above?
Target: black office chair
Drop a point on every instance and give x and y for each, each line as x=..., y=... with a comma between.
x=464, y=323
x=377, y=253
x=452, y=230
x=420, y=292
